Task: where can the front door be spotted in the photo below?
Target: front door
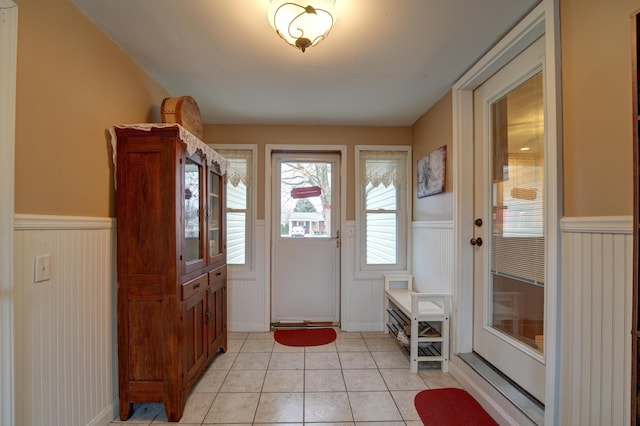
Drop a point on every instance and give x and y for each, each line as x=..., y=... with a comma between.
x=305, y=239
x=509, y=213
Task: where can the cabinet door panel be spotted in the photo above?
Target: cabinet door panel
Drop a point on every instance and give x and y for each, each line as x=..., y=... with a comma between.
x=194, y=334
x=145, y=340
x=221, y=311
x=217, y=323
x=216, y=303
x=143, y=195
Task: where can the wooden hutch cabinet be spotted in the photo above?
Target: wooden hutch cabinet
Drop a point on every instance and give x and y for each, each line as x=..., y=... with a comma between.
x=171, y=264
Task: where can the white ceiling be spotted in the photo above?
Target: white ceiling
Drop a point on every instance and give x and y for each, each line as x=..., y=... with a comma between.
x=385, y=62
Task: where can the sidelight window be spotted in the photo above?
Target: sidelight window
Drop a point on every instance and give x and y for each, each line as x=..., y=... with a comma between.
x=383, y=202
x=239, y=203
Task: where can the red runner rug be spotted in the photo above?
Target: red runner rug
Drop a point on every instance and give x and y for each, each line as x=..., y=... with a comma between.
x=305, y=336
x=451, y=407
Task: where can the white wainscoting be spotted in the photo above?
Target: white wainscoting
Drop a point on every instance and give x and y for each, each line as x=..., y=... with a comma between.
x=362, y=293
x=65, y=328
x=432, y=256
x=360, y=296
x=595, y=361
x=248, y=292
x=8, y=60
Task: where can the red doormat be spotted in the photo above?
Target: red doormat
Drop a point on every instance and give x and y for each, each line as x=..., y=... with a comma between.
x=451, y=407
x=305, y=336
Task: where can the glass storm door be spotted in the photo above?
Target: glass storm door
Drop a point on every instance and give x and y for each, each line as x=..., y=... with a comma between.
x=509, y=203
x=305, y=238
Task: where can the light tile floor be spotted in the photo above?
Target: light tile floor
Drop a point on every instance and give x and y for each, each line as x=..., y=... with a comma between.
x=360, y=378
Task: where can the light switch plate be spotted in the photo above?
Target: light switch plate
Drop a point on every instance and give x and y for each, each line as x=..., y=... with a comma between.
x=42, y=268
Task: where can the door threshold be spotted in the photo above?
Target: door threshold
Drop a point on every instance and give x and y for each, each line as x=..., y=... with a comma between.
x=303, y=324
x=521, y=399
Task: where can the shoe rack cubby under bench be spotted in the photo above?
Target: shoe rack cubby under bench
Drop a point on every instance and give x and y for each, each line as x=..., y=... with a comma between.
x=422, y=319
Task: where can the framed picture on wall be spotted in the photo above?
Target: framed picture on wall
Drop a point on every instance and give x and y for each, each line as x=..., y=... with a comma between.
x=431, y=172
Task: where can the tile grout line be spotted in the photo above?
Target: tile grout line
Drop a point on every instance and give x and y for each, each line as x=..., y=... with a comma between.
x=367, y=349
x=344, y=381
x=263, y=380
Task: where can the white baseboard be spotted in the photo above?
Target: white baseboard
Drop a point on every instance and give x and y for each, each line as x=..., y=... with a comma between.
x=106, y=416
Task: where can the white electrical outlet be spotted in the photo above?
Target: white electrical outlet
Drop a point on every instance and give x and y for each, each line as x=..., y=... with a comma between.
x=42, y=268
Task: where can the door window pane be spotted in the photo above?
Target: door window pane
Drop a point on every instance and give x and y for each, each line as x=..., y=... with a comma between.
x=305, y=197
x=517, y=251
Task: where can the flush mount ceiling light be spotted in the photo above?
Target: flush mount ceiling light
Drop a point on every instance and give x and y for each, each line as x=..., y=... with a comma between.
x=302, y=25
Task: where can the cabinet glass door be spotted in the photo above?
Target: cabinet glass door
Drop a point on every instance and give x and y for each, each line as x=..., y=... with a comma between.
x=215, y=215
x=193, y=248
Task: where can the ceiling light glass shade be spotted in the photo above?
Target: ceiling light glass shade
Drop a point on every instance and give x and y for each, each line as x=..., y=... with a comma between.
x=302, y=24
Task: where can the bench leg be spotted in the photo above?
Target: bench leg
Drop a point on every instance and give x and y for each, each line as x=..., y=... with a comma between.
x=414, y=345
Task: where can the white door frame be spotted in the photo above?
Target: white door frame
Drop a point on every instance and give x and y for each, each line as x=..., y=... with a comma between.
x=269, y=149
x=544, y=19
x=8, y=62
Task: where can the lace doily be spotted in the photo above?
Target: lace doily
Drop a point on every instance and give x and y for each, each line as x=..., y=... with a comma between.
x=190, y=140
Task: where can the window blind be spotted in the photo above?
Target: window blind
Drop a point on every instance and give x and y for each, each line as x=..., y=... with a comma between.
x=518, y=198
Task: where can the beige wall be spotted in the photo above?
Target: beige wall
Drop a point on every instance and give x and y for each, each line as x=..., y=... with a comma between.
x=597, y=109
x=597, y=114
x=350, y=136
x=433, y=130
x=73, y=84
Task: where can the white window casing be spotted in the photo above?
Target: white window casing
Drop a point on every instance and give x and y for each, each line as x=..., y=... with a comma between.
x=383, y=203
x=240, y=205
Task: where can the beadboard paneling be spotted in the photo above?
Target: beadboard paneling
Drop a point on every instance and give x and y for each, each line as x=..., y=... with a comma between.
x=66, y=359
x=8, y=61
x=432, y=256
x=596, y=316
x=361, y=297
x=248, y=291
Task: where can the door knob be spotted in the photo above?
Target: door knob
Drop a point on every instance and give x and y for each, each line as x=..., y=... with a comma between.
x=476, y=241
x=478, y=222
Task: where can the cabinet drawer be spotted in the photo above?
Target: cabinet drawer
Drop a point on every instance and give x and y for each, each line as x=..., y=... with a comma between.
x=217, y=277
x=194, y=286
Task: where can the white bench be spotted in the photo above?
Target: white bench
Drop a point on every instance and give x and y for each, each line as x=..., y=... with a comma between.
x=420, y=311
